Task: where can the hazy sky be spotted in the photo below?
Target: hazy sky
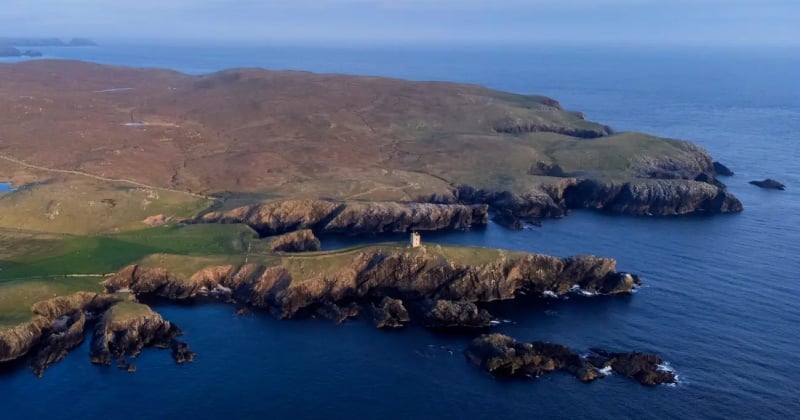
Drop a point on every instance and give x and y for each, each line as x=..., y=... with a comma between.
x=628, y=21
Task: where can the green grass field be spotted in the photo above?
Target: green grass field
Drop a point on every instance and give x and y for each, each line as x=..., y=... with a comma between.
x=16, y=297
x=30, y=255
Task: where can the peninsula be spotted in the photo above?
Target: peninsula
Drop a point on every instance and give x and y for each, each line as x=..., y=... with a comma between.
x=135, y=182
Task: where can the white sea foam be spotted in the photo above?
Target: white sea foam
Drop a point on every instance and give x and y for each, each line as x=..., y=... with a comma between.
x=577, y=289
x=606, y=370
x=549, y=294
x=493, y=322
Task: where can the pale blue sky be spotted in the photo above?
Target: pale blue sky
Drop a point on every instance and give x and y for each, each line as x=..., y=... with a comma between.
x=618, y=21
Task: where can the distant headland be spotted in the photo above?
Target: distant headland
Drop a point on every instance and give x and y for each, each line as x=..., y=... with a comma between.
x=9, y=46
x=46, y=42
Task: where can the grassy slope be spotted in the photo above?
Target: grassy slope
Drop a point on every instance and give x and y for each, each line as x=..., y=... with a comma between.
x=124, y=311
x=84, y=206
x=16, y=297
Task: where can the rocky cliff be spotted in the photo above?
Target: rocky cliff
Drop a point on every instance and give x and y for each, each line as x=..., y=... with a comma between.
x=374, y=273
x=125, y=329
x=60, y=324
x=653, y=197
x=271, y=218
x=57, y=327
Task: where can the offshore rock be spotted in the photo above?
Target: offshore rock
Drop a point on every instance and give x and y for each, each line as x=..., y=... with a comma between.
x=181, y=352
x=338, y=314
x=722, y=170
x=769, y=184
x=449, y=314
x=279, y=217
x=297, y=241
x=501, y=355
x=646, y=368
x=390, y=313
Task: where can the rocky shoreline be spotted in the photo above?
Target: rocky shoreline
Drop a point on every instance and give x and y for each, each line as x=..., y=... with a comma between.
x=469, y=207
x=394, y=287
x=61, y=323
x=410, y=275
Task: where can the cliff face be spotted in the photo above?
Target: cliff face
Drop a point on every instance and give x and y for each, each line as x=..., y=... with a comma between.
x=351, y=218
x=654, y=197
x=117, y=336
x=18, y=341
x=411, y=275
x=57, y=328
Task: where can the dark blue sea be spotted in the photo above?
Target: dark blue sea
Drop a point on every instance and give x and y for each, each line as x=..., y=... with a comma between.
x=720, y=301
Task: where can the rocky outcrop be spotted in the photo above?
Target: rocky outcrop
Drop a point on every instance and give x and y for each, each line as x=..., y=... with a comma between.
x=56, y=328
x=770, y=184
x=449, y=314
x=297, y=241
x=181, y=352
x=646, y=368
x=709, y=179
x=652, y=197
x=518, y=126
x=390, y=313
x=272, y=218
x=722, y=170
x=65, y=334
x=338, y=313
x=124, y=331
x=18, y=340
x=501, y=355
x=373, y=273
x=540, y=201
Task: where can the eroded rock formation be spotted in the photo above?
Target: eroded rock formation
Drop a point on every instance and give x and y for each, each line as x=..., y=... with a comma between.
x=449, y=314
x=124, y=331
x=56, y=328
x=390, y=313
x=502, y=355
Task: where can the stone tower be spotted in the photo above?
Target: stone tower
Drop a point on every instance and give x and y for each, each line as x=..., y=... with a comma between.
x=416, y=240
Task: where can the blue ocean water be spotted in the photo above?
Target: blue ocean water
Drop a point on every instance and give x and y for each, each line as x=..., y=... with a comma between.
x=720, y=301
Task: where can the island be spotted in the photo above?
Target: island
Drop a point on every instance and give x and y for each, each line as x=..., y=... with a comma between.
x=216, y=187
x=6, y=51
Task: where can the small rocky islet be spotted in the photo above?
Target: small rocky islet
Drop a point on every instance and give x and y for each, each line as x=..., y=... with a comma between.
x=769, y=184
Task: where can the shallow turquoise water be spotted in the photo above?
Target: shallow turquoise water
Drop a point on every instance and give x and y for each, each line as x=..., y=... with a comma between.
x=720, y=300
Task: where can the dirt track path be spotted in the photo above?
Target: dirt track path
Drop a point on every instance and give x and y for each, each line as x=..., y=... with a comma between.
x=97, y=177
